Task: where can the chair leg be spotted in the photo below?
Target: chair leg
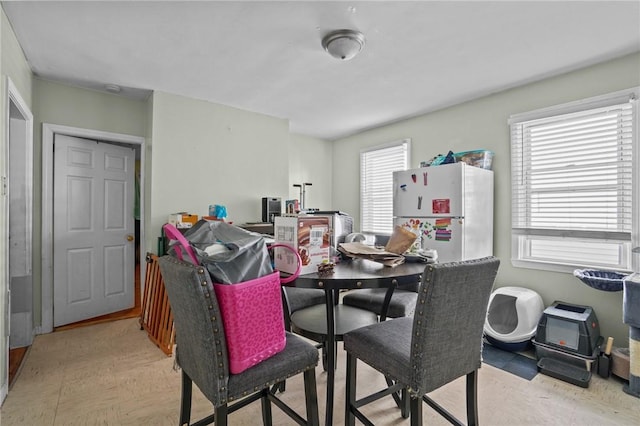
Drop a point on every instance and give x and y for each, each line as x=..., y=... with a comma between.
x=220, y=415
x=400, y=398
x=323, y=347
x=350, y=392
x=416, y=411
x=404, y=409
x=279, y=387
x=323, y=354
x=311, y=397
x=185, y=403
x=472, y=398
x=267, y=418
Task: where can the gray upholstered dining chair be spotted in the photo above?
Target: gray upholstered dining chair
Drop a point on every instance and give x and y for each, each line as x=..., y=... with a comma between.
x=395, y=302
x=299, y=298
x=201, y=353
x=294, y=299
x=442, y=342
x=401, y=303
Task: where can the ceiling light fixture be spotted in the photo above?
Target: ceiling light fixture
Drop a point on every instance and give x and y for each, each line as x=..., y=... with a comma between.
x=343, y=44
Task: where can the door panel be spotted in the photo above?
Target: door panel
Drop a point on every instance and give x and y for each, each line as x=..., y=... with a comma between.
x=115, y=203
x=79, y=276
x=114, y=277
x=93, y=220
x=79, y=196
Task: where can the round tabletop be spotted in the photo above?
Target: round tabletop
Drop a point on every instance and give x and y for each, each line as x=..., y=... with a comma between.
x=361, y=273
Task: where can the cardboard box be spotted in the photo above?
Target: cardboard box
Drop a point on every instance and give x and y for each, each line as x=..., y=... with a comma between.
x=183, y=220
x=309, y=235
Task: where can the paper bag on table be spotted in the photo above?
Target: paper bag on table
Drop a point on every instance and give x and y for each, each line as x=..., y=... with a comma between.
x=400, y=241
x=363, y=251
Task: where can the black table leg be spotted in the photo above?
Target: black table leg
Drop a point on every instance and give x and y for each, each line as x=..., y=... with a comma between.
x=331, y=353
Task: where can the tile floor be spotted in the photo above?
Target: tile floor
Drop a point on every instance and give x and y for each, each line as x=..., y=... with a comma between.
x=111, y=374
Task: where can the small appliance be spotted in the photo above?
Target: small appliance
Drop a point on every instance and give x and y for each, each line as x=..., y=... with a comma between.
x=271, y=207
x=340, y=225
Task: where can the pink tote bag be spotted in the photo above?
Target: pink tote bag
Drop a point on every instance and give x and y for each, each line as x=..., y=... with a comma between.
x=251, y=312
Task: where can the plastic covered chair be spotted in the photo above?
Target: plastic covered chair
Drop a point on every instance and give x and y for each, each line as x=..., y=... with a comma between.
x=442, y=342
x=201, y=353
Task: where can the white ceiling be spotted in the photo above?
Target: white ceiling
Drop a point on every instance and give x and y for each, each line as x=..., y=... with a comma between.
x=266, y=56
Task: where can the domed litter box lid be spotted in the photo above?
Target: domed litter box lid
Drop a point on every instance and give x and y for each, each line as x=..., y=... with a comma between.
x=502, y=314
x=513, y=314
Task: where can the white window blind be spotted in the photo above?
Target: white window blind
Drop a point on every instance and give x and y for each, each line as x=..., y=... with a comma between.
x=376, y=185
x=572, y=184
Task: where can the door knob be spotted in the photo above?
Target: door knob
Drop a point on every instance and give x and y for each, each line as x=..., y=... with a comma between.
x=129, y=237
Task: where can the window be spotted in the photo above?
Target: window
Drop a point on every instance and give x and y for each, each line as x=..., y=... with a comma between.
x=573, y=184
x=376, y=185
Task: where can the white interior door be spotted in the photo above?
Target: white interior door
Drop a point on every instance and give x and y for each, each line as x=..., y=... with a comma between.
x=93, y=244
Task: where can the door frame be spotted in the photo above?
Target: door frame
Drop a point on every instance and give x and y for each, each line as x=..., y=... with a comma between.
x=48, y=133
x=13, y=97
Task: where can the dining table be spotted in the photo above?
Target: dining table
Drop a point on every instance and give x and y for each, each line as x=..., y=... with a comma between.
x=337, y=319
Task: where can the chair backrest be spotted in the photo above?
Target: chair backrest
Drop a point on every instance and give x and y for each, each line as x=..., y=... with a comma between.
x=201, y=348
x=448, y=321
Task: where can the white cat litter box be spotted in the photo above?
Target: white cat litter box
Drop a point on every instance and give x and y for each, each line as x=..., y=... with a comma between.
x=512, y=317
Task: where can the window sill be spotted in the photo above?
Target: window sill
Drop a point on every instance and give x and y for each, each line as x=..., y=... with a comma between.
x=559, y=267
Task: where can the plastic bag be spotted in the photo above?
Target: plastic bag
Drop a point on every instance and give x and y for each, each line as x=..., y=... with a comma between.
x=444, y=159
x=246, y=257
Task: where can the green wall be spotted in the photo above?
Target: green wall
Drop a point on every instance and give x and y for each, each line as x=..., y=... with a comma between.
x=203, y=153
x=310, y=161
x=197, y=153
x=482, y=124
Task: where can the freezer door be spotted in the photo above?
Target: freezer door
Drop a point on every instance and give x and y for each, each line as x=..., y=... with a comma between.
x=429, y=191
x=444, y=234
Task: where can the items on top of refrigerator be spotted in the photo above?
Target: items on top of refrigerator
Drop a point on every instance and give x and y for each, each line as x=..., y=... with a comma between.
x=439, y=159
x=478, y=158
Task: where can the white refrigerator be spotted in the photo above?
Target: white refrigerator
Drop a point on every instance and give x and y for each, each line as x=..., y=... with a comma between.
x=449, y=207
